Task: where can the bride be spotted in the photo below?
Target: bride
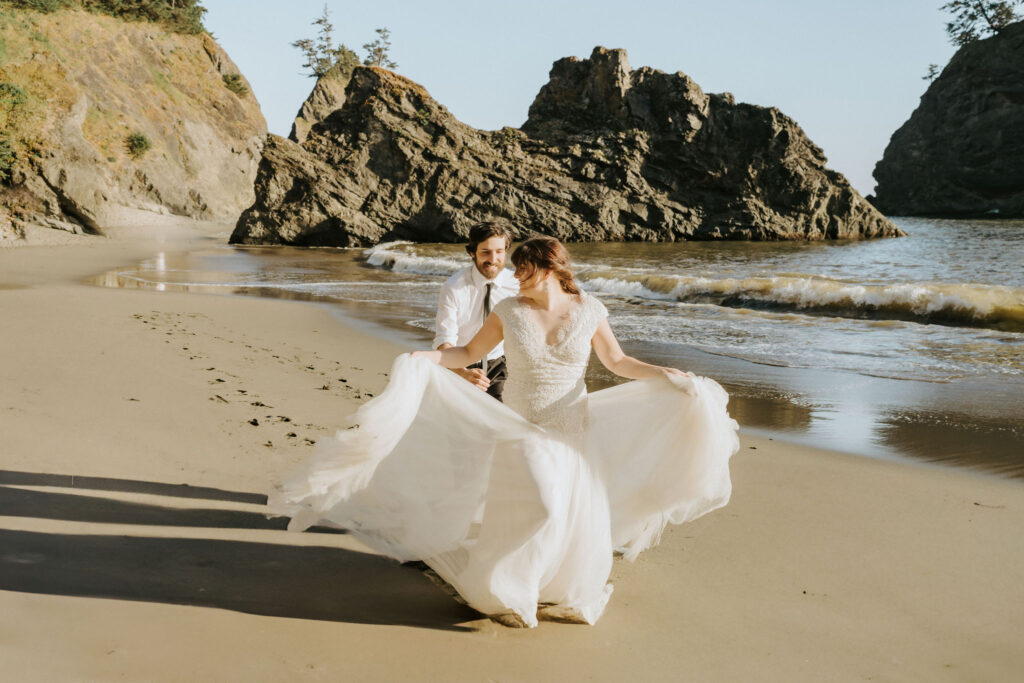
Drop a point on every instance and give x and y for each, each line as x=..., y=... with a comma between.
x=520, y=506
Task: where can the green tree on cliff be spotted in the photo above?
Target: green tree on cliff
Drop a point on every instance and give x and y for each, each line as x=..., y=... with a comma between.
x=378, y=52
x=974, y=19
x=320, y=53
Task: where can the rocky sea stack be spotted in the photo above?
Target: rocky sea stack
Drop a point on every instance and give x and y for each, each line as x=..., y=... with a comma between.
x=327, y=96
x=608, y=153
x=961, y=153
x=106, y=122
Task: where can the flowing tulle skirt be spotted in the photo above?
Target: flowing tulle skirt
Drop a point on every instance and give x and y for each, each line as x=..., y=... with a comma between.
x=511, y=515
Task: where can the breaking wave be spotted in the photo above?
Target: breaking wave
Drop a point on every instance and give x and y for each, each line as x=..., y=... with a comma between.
x=389, y=255
x=953, y=304
x=968, y=305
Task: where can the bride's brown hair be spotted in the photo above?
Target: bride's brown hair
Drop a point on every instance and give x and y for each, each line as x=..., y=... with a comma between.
x=546, y=253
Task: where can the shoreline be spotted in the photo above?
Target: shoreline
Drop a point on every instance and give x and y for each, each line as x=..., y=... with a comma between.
x=824, y=566
x=896, y=419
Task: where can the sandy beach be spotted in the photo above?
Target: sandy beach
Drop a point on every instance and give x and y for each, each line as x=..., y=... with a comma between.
x=140, y=430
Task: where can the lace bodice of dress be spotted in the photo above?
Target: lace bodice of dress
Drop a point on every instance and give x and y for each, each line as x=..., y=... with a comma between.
x=545, y=382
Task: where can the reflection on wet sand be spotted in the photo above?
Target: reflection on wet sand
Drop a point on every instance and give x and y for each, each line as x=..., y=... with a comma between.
x=372, y=315
x=957, y=440
x=766, y=413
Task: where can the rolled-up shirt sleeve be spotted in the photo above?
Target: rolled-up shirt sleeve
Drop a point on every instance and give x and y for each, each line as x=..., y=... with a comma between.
x=447, y=324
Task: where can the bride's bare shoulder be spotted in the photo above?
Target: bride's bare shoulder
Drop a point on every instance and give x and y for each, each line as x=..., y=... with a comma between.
x=508, y=304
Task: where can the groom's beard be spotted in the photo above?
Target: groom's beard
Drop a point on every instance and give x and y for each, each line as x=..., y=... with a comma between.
x=489, y=270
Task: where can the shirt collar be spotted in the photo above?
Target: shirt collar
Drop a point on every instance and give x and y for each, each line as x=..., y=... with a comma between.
x=479, y=280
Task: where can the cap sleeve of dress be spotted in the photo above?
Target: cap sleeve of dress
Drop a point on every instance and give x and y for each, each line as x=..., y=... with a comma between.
x=502, y=309
x=595, y=312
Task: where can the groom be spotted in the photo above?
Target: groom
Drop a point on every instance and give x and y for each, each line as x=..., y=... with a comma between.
x=468, y=297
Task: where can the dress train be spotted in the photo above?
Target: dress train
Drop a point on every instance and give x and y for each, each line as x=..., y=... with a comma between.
x=513, y=515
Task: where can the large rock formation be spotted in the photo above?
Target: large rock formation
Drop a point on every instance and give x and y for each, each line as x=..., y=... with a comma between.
x=607, y=154
x=74, y=86
x=961, y=153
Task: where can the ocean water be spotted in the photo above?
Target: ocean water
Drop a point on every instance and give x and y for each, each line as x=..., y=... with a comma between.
x=910, y=347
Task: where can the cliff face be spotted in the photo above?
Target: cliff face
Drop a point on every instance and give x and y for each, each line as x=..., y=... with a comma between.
x=961, y=153
x=608, y=153
x=327, y=96
x=77, y=85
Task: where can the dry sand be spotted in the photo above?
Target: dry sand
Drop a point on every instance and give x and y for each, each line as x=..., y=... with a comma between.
x=132, y=547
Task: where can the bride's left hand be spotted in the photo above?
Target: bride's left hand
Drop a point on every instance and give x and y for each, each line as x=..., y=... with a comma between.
x=676, y=371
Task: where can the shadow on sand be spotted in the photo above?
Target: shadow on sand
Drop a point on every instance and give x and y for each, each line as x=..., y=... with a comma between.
x=324, y=583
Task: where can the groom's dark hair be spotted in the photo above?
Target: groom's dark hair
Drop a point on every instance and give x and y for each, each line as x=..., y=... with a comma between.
x=485, y=231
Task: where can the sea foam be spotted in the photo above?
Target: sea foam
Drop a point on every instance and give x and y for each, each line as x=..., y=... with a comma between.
x=392, y=256
x=959, y=304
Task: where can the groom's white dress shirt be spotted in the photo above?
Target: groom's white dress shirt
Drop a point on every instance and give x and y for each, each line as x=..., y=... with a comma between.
x=460, y=310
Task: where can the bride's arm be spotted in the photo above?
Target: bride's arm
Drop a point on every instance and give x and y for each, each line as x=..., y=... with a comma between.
x=612, y=356
x=489, y=336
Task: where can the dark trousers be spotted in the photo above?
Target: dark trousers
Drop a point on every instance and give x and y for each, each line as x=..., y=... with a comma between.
x=496, y=374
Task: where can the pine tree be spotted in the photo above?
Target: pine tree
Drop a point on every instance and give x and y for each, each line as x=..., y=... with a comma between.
x=974, y=19
x=378, y=52
x=320, y=53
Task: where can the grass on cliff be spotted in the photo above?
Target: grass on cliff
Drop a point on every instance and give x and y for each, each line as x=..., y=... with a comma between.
x=7, y=158
x=137, y=144
x=149, y=81
x=103, y=128
x=179, y=16
x=11, y=97
x=235, y=84
x=31, y=83
x=162, y=82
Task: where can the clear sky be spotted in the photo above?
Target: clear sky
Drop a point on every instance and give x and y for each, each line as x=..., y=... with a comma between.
x=848, y=72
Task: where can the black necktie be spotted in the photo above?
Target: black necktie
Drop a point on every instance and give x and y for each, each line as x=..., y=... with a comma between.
x=487, y=300
x=487, y=312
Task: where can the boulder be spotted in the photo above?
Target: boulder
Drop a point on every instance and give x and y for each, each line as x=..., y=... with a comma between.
x=961, y=153
x=608, y=153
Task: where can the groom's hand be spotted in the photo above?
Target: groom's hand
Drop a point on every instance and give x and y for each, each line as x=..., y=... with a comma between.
x=476, y=377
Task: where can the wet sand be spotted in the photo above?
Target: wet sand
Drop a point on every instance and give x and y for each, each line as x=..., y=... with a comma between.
x=973, y=421
x=132, y=544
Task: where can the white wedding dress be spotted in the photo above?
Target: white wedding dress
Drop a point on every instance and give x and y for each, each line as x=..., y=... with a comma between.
x=520, y=505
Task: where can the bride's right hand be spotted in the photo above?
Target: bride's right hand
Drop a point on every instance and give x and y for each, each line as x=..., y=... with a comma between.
x=476, y=377
x=676, y=371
